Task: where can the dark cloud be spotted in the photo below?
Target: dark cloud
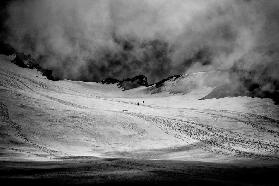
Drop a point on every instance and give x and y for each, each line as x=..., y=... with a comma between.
x=95, y=39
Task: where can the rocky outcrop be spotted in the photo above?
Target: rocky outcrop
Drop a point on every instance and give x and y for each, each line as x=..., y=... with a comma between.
x=128, y=83
x=26, y=61
x=162, y=82
x=110, y=81
x=134, y=82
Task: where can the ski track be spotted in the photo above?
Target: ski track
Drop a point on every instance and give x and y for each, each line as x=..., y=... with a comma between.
x=209, y=138
x=5, y=118
x=215, y=139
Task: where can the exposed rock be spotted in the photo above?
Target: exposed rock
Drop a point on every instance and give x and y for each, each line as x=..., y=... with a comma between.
x=134, y=82
x=110, y=81
x=161, y=83
x=129, y=83
x=48, y=74
x=25, y=61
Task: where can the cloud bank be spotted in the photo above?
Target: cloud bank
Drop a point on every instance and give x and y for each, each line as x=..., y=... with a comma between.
x=95, y=39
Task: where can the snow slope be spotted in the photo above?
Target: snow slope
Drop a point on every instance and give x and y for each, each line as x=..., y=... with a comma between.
x=44, y=120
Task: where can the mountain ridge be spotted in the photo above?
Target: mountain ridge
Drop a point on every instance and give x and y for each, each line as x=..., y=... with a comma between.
x=243, y=86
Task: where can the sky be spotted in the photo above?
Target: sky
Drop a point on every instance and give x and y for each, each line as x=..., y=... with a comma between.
x=91, y=40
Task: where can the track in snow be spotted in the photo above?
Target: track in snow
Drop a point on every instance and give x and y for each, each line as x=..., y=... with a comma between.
x=83, y=112
x=218, y=140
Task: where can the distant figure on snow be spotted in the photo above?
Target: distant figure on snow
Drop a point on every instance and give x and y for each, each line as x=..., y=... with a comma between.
x=138, y=103
x=142, y=101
